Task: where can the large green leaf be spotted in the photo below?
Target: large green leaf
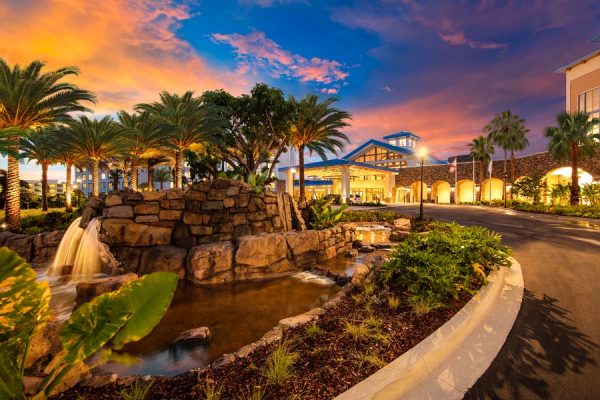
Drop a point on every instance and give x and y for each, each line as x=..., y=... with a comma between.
x=146, y=300
x=23, y=307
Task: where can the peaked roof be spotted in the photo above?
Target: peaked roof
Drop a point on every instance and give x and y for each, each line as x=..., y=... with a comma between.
x=339, y=162
x=375, y=142
x=401, y=134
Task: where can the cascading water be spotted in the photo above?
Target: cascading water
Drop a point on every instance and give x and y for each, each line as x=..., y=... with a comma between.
x=78, y=249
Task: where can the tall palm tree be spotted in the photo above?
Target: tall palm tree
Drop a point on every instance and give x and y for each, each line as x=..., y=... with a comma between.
x=187, y=120
x=30, y=99
x=151, y=163
x=143, y=136
x=571, y=139
x=482, y=150
x=39, y=146
x=508, y=131
x=94, y=140
x=316, y=128
x=162, y=175
x=65, y=154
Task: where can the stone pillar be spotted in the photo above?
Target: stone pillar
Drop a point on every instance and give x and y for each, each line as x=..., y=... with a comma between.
x=290, y=182
x=345, y=183
x=390, y=178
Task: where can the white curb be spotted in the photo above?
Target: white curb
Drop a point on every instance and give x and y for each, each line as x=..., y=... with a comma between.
x=450, y=360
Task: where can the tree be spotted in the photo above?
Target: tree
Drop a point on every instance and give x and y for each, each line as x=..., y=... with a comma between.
x=254, y=129
x=591, y=193
x=203, y=164
x=151, y=164
x=24, y=186
x=187, y=120
x=571, y=139
x=530, y=187
x=94, y=140
x=482, y=150
x=162, y=175
x=39, y=146
x=143, y=135
x=508, y=131
x=31, y=99
x=316, y=128
x=66, y=155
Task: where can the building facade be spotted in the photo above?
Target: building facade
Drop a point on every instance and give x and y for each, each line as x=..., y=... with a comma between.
x=54, y=187
x=83, y=180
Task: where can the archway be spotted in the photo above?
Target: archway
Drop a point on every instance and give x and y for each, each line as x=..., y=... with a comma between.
x=415, y=191
x=496, y=187
x=401, y=195
x=440, y=192
x=562, y=176
x=465, y=190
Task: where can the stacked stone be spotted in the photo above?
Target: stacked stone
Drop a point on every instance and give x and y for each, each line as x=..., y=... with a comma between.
x=38, y=248
x=335, y=241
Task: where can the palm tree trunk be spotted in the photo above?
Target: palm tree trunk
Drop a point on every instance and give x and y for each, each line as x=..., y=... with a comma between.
x=301, y=165
x=95, y=168
x=68, y=195
x=512, y=166
x=134, y=177
x=161, y=186
x=13, y=194
x=178, y=169
x=574, y=175
x=150, y=178
x=125, y=178
x=480, y=180
x=44, y=186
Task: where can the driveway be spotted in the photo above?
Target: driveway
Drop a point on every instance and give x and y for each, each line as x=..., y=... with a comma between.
x=553, y=350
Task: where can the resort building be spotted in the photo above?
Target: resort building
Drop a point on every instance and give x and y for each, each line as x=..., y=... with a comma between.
x=367, y=173
x=54, y=187
x=83, y=180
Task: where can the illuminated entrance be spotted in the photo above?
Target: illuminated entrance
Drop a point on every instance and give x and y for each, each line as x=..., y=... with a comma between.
x=496, y=188
x=465, y=191
x=440, y=192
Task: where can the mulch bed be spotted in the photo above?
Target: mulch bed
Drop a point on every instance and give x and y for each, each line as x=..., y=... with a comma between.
x=327, y=364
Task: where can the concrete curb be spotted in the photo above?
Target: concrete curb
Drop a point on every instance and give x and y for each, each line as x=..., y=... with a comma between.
x=450, y=360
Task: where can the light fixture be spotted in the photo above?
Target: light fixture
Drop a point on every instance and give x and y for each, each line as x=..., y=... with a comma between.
x=422, y=152
x=293, y=170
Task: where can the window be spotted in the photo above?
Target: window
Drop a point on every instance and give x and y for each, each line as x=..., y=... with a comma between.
x=590, y=103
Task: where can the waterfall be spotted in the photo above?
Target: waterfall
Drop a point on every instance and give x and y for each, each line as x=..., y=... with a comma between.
x=78, y=249
x=87, y=261
x=67, y=249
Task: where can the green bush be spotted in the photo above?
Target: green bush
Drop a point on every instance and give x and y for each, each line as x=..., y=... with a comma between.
x=35, y=221
x=439, y=265
x=371, y=216
x=587, y=211
x=323, y=215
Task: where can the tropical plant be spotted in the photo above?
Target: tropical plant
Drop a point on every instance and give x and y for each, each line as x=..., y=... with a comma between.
x=110, y=320
x=530, y=187
x=64, y=154
x=203, y=164
x=571, y=139
x=39, y=146
x=316, y=127
x=144, y=136
x=591, y=193
x=94, y=140
x=187, y=120
x=162, y=175
x=255, y=128
x=151, y=164
x=482, y=150
x=31, y=99
x=323, y=215
x=508, y=131
x=560, y=193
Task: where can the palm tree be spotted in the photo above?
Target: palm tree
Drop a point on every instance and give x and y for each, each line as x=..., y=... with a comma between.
x=571, y=139
x=187, y=120
x=162, y=175
x=316, y=127
x=144, y=135
x=151, y=164
x=482, y=150
x=94, y=140
x=65, y=154
x=507, y=131
x=39, y=146
x=31, y=99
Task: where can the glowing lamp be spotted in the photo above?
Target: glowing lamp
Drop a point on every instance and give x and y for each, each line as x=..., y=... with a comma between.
x=422, y=152
x=293, y=170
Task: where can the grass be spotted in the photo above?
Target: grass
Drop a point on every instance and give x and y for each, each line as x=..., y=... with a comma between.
x=422, y=305
x=370, y=358
x=280, y=363
x=359, y=332
x=211, y=391
x=369, y=288
x=393, y=302
x=137, y=391
x=313, y=331
x=254, y=393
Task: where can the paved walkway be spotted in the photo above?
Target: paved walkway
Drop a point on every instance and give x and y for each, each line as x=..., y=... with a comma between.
x=553, y=350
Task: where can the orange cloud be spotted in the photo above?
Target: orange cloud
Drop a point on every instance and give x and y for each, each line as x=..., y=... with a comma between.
x=127, y=49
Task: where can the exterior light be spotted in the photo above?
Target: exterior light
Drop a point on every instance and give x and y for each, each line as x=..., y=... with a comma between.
x=3, y=226
x=293, y=170
x=422, y=152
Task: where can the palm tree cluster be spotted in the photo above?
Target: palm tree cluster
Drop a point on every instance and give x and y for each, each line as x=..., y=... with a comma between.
x=246, y=133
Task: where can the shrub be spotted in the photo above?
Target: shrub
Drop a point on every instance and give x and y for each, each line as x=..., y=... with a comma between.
x=323, y=215
x=371, y=216
x=439, y=265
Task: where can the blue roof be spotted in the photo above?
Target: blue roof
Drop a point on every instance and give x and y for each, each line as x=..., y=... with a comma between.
x=375, y=142
x=339, y=162
x=401, y=134
x=315, y=182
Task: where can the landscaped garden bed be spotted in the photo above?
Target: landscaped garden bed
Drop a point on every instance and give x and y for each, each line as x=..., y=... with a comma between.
x=396, y=304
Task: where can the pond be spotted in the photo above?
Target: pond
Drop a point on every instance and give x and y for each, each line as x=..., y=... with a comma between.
x=237, y=314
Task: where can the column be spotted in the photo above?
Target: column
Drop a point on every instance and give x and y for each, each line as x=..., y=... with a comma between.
x=345, y=183
x=290, y=181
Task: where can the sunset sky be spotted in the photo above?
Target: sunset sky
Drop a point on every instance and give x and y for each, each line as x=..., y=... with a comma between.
x=440, y=69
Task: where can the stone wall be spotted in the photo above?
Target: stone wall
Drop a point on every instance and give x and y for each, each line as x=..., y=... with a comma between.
x=38, y=248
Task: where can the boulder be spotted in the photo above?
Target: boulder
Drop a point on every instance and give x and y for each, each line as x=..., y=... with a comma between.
x=163, y=258
x=98, y=381
x=398, y=236
x=153, y=196
x=149, y=208
x=125, y=232
x=302, y=319
x=210, y=263
x=39, y=347
x=22, y=244
x=402, y=224
x=262, y=256
x=4, y=236
x=304, y=246
x=113, y=200
x=88, y=290
x=367, y=249
x=120, y=212
x=360, y=275
x=194, y=335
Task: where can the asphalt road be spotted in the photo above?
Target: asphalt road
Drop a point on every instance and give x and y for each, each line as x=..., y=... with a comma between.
x=553, y=350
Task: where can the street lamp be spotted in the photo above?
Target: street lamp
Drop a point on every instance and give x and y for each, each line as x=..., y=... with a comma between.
x=422, y=153
x=505, y=177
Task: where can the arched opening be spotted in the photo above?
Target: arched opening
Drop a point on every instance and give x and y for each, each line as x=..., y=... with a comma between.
x=557, y=181
x=440, y=192
x=402, y=195
x=416, y=188
x=519, y=197
x=465, y=191
x=492, y=190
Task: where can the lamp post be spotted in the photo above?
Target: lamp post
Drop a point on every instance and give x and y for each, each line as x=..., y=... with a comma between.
x=504, y=178
x=422, y=155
